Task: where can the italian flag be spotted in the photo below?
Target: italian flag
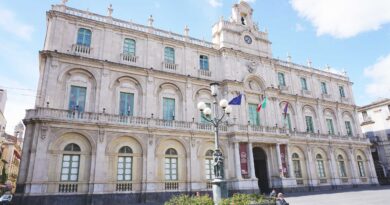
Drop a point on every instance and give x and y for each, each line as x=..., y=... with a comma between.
x=262, y=105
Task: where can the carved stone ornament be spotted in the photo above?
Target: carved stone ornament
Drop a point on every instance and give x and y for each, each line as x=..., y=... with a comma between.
x=251, y=66
x=44, y=132
x=101, y=135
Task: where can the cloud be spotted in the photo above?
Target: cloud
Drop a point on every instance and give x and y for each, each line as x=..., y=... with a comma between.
x=299, y=27
x=215, y=3
x=9, y=23
x=346, y=18
x=379, y=75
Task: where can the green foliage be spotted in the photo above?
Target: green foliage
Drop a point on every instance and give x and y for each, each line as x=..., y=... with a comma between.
x=246, y=199
x=190, y=200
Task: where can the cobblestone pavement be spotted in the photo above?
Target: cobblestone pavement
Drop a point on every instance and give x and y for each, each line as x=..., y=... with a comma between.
x=372, y=196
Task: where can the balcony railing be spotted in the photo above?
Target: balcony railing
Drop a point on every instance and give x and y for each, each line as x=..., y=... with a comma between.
x=129, y=58
x=205, y=73
x=51, y=114
x=81, y=49
x=67, y=187
x=171, y=185
x=124, y=187
x=172, y=67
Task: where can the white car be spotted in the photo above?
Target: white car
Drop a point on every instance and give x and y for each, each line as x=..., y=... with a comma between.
x=6, y=198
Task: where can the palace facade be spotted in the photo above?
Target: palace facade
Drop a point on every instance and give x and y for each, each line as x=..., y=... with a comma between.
x=116, y=119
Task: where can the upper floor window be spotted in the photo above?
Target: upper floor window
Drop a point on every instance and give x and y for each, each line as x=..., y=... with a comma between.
x=84, y=37
x=362, y=172
x=324, y=90
x=296, y=165
x=209, y=165
x=125, y=164
x=77, y=98
x=288, y=121
x=348, y=127
x=126, y=104
x=70, y=163
x=170, y=167
x=254, y=118
x=342, y=170
x=281, y=79
x=303, y=84
x=309, y=124
x=203, y=116
x=365, y=115
x=329, y=124
x=168, y=109
x=388, y=107
x=341, y=91
x=204, y=62
x=169, y=55
x=129, y=47
x=320, y=166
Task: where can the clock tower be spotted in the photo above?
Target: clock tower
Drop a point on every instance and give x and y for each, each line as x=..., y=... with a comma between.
x=241, y=33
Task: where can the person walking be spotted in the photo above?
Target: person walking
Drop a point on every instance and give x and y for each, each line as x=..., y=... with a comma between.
x=280, y=200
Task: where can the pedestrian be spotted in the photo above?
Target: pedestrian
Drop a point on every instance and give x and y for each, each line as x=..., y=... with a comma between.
x=198, y=194
x=273, y=193
x=280, y=200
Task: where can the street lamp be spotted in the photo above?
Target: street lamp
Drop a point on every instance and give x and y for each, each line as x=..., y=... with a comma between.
x=218, y=191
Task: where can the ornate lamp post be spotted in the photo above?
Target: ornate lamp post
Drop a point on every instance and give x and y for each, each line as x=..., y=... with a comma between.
x=213, y=117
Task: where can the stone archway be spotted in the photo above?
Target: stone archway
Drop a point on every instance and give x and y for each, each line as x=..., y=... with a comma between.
x=261, y=170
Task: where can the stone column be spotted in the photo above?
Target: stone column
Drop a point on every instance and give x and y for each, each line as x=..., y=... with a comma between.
x=279, y=160
x=237, y=159
x=332, y=166
x=251, y=161
x=310, y=166
x=352, y=159
x=371, y=166
x=290, y=164
x=299, y=121
x=321, y=120
x=339, y=121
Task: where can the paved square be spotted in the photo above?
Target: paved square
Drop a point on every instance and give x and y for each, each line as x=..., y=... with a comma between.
x=380, y=195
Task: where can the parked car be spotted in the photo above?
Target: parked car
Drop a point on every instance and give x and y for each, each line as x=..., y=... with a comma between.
x=6, y=198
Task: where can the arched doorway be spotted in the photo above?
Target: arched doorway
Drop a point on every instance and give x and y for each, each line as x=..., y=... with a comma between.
x=260, y=162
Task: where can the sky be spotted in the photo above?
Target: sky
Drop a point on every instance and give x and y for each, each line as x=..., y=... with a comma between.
x=350, y=35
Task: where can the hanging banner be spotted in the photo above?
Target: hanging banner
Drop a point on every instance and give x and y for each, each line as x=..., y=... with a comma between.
x=244, y=159
x=283, y=157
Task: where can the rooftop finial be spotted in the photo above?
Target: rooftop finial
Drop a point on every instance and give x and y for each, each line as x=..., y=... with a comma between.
x=150, y=21
x=288, y=57
x=327, y=67
x=64, y=2
x=309, y=63
x=110, y=10
x=186, y=30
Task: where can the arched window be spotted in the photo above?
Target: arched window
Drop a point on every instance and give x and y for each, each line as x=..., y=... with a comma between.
x=362, y=173
x=169, y=55
x=296, y=165
x=204, y=62
x=209, y=165
x=320, y=166
x=341, y=163
x=171, y=159
x=70, y=163
x=129, y=47
x=84, y=37
x=125, y=164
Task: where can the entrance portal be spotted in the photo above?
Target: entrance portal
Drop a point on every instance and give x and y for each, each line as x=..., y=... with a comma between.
x=260, y=160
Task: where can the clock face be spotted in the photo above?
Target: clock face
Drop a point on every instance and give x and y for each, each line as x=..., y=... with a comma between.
x=248, y=39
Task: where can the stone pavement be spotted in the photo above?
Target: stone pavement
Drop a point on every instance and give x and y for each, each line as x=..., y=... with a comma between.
x=369, y=196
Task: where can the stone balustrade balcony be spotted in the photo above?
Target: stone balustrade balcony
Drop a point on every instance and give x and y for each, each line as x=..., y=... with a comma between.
x=128, y=58
x=170, y=67
x=204, y=73
x=81, y=49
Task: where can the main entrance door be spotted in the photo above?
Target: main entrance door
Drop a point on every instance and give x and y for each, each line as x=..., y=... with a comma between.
x=260, y=159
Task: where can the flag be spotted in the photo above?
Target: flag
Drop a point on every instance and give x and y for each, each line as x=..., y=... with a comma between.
x=285, y=110
x=262, y=105
x=236, y=100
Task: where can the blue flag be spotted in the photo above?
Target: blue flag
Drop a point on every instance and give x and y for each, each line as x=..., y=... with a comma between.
x=236, y=100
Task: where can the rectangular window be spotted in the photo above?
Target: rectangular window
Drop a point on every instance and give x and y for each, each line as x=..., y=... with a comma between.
x=348, y=127
x=77, y=98
x=124, y=168
x=365, y=116
x=209, y=169
x=288, y=121
x=126, y=106
x=341, y=90
x=254, y=118
x=303, y=84
x=297, y=169
x=329, y=124
x=343, y=173
x=129, y=47
x=324, y=90
x=362, y=173
x=202, y=116
x=321, y=169
x=309, y=124
x=171, y=168
x=168, y=109
x=84, y=37
x=169, y=55
x=70, y=167
x=204, y=62
x=281, y=79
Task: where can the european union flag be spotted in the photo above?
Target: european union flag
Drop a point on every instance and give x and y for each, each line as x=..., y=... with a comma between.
x=236, y=100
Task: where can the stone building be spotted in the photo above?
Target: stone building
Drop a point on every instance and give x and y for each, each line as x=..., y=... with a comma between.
x=3, y=121
x=375, y=124
x=117, y=117
x=10, y=153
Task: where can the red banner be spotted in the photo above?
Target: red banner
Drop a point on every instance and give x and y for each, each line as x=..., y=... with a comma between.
x=244, y=159
x=283, y=157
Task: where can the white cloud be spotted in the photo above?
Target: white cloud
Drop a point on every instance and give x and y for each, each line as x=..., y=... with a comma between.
x=344, y=18
x=215, y=3
x=9, y=23
x=379, y=75
x=299, y=27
